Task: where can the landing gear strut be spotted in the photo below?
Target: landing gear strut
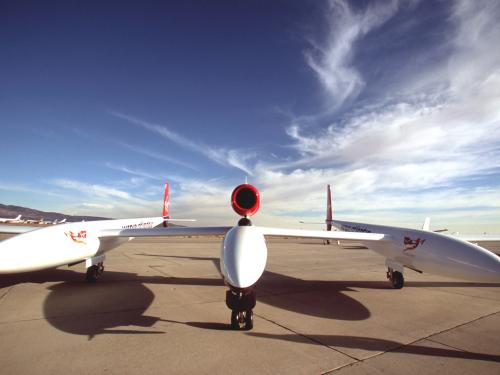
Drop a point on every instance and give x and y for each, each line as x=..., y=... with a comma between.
x=395, y=278
x=93, y=272
x=241, y=303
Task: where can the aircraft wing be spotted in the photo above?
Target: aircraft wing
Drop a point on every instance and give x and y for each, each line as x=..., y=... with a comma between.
x=266, y=231
x=328, y=235
x=16, y=229
x=165, y=232
x=478, y=238
x=490, y=242
x=178, y=220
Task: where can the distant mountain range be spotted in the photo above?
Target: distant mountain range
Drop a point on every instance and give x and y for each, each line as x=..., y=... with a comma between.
x=29, y=213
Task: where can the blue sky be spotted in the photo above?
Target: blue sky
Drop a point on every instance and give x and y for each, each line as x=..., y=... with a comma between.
x=394, y=103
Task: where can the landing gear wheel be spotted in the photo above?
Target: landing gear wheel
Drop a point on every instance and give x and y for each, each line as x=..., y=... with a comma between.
x=241, y=304
x=93, y=272
x=249, y=320
x=235, y=320
x=397, y=280
x=241, y=320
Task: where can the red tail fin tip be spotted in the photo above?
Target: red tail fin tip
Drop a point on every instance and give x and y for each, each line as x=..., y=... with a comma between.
x=165, y=202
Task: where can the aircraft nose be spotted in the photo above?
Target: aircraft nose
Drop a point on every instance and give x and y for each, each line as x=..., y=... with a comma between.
x=476, y=263
x=43, y=248
x=456, y=258
x=487, y=264
x=243, y=256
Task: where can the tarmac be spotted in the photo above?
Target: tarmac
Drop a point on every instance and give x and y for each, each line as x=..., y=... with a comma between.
x=159, y=308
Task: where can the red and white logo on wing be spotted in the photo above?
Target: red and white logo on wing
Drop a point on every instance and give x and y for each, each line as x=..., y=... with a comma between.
x=412, y=244
x=80, y=237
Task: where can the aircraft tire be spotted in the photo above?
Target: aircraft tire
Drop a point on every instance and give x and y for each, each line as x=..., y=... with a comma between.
x=397, y=280
x=249, y=320
x=235, y=323
x=241, y=320
x=92, y=274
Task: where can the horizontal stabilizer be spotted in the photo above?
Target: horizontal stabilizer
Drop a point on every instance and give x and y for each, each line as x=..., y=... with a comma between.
x=181, y=220
x=165, y=232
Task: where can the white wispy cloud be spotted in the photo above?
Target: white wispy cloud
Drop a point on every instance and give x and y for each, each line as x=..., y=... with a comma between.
x=220, y=155
x=134, y=172
x=91, y=189
x=146, y=183
x=156, y=155
x=17, y=187
x=97, y=206
x=460, y=130
x=477, y=33
x=107, y=201
x=331, y=60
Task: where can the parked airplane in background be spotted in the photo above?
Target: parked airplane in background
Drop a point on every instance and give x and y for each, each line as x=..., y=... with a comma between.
x=11, y=220
x=243, y=254
x=42, y=221
x=33, y=221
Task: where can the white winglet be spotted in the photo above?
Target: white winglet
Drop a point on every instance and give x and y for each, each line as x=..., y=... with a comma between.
x=427, y=224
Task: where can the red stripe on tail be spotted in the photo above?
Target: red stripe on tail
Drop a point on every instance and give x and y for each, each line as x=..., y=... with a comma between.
x=165, y=202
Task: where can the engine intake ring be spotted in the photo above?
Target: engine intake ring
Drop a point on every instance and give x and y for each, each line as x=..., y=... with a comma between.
x=245, y=200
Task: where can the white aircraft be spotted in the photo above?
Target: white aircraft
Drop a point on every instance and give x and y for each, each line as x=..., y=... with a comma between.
x=55, y=222
x=243, y=254
x=33, y=221
x=11, y=220
x=425, y=251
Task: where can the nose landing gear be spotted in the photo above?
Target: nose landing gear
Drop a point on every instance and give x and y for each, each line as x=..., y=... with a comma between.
x=242, y=320
x=241, y=303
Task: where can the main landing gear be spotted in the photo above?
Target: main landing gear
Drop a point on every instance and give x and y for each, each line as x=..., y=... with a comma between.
x=95, y=268
x=94, y=272
x=395, y=278
x=241, y=303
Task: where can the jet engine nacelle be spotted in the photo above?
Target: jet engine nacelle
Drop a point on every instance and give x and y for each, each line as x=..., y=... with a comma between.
x=245, y=200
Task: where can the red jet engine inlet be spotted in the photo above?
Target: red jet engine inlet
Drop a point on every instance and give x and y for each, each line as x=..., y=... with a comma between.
x=245, y=200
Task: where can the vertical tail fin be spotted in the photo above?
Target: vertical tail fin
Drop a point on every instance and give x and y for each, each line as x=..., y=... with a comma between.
x=329, y=210
x=18, y=217
x=427, y=224
x=165, y=212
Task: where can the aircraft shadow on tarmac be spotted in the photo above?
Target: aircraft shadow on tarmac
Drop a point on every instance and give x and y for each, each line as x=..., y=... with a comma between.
x=378, y=345
x=120, y=299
